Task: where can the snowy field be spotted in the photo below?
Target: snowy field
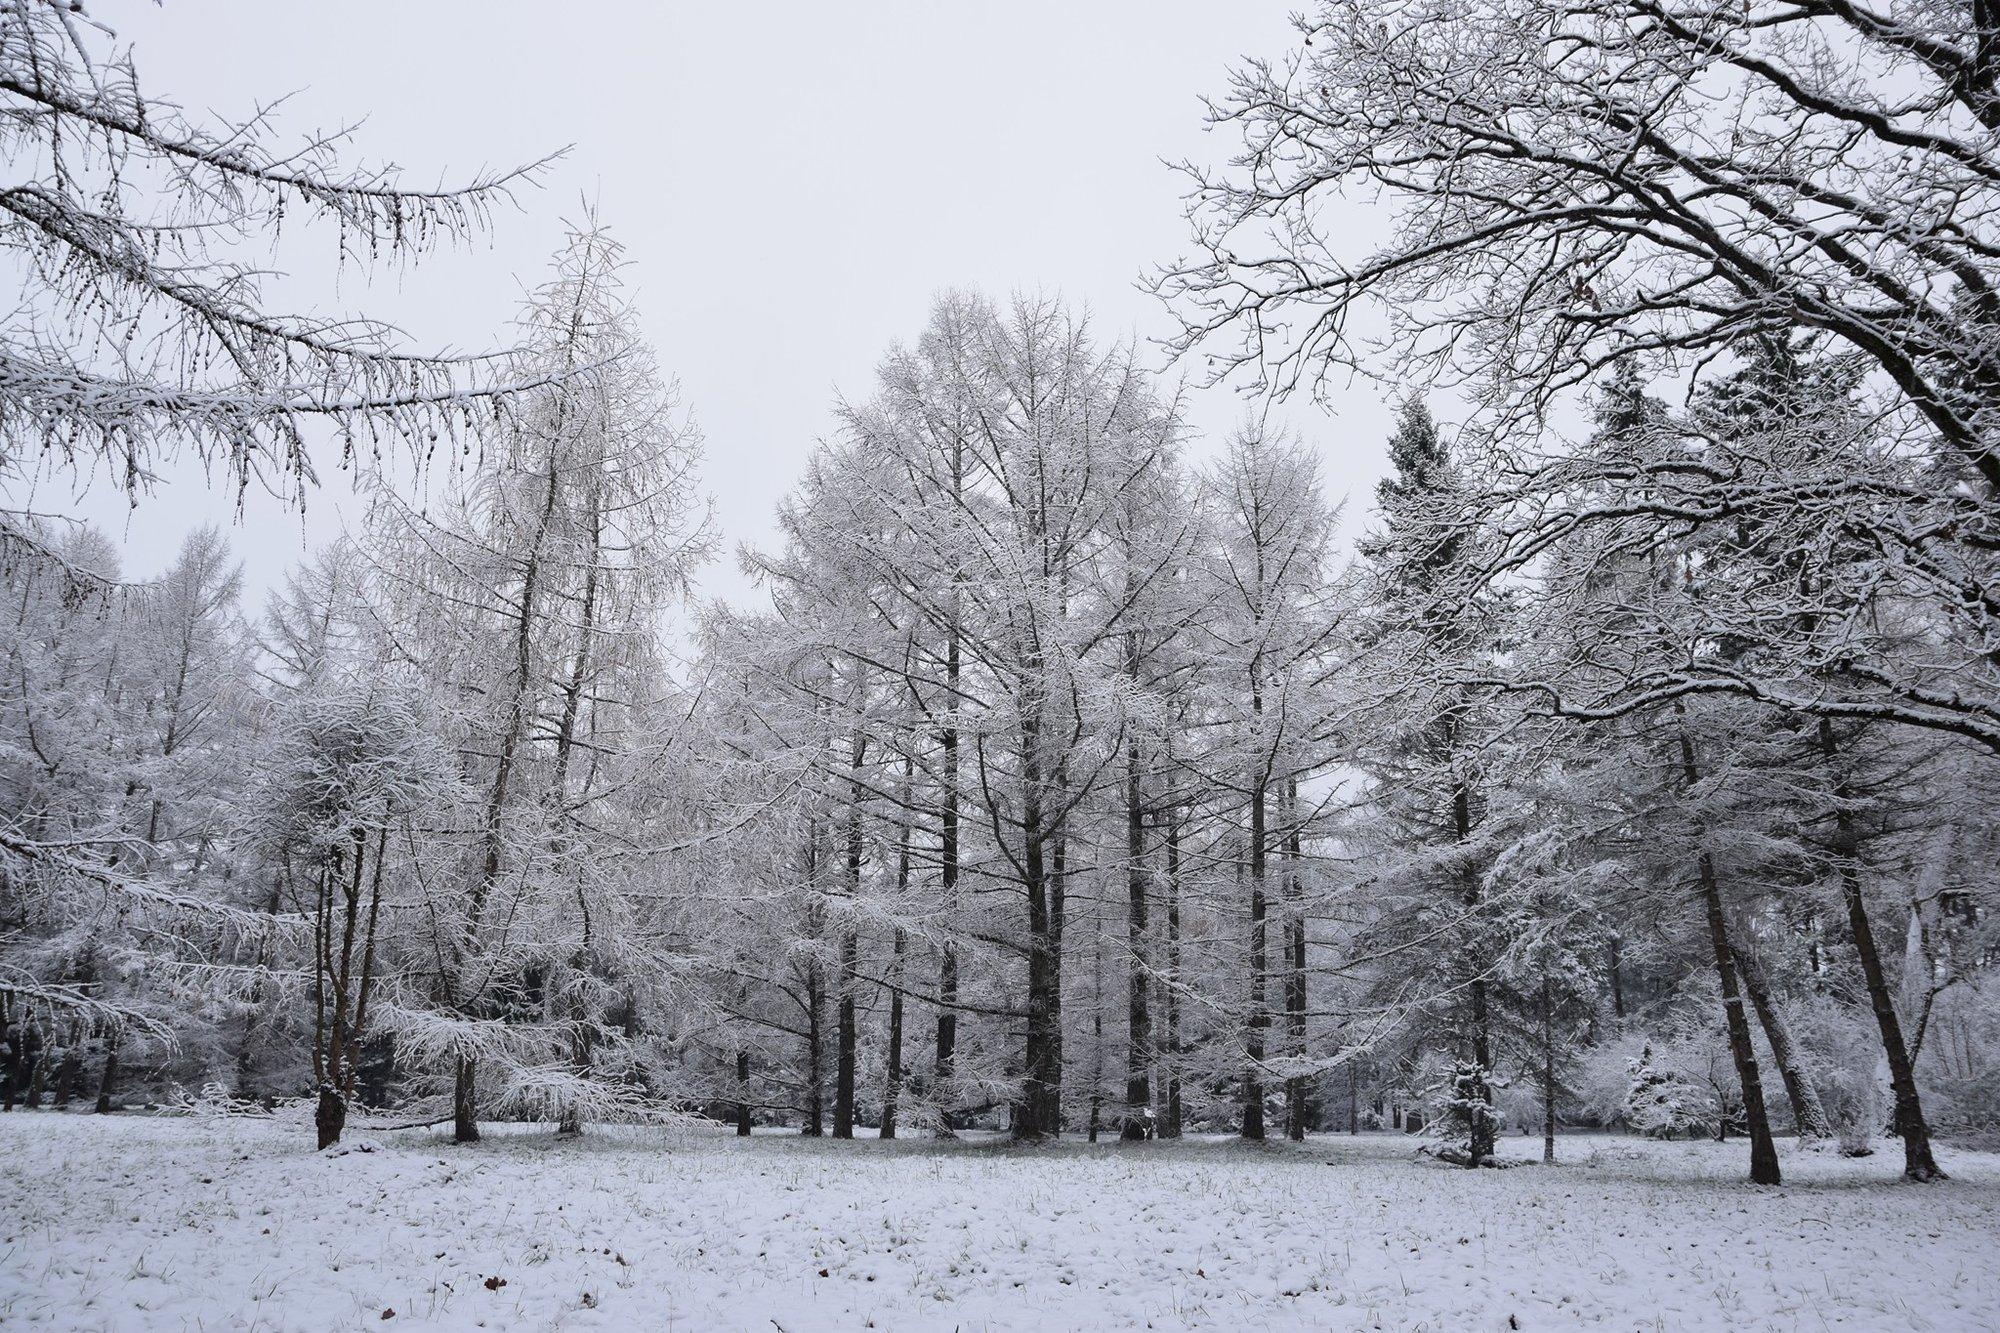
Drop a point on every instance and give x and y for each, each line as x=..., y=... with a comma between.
x=134, y=1223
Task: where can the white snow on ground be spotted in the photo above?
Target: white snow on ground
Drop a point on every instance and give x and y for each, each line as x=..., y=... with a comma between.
x=164, y=1223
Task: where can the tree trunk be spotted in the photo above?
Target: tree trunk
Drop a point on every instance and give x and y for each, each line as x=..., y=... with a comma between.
x=465, y=1101
x=1138, y=1016
x=743, y=1094
x=1170, y=1120
x=330, y=1117
x=1480, y=1141
x=1613, y=969
x=1807, y=1113
x=846, y=1038
x=892, y=1076
x=1259, y=1017
x=947, y=1017
x=108, y=1078
x=66, y=1072
x=1763, y=1150
x=815, y=1126
x=1298, y=1108
x=1918, y=1162
x=1548, y=1076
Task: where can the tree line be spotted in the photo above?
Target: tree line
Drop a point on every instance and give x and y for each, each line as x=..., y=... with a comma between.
x=1635, y=766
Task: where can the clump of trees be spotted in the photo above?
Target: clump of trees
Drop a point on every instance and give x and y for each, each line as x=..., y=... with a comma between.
x=1635, y=770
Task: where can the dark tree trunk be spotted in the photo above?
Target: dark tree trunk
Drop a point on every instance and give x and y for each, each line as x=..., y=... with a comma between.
x=1763, y=1150
x=465, y=1101
x=66, y=1072
x=1807, y=1113
x=947, y=1017
x=1138, y=1018
x=108, y=1078
x=330, y=1117
x=1259, y=1016
x=1614, y=970
x=815, y=1126
x=1298, y=1107
x=892, y=1076
x=743, y=1094
x=38, y=1083
x=1170, y=1120
x=1548, y=1076
x=1918, y=1161
x=844, y=1065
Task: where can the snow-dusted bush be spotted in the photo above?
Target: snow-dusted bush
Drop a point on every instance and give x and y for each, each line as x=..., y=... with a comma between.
x=1847, y=1069
x=1664, y=1102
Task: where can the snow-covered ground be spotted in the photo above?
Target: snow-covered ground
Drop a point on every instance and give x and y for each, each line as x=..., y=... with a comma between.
x=200, y=1224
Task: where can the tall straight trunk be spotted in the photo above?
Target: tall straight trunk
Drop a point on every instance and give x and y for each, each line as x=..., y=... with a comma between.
x=1259, y=1018
x=1763, y=1150
x=743, y=1094
x=1138, y=1015
x=109, y=1077
x=815, y=1126
x=892, y=1075
x=1354, y=1098
x=1614, y=969
x=1096, y=1121
x=1481, y=1144
x=465, y=1101
x=946, y=1062
x=38, y=1082
x=66, y=1072
x=1918, y=1161
x=848, y=1036
x=1548, y=1075
x=1170, y=1120
x=1036, y=1115
x=1298, y=1107
x=1807, y=1112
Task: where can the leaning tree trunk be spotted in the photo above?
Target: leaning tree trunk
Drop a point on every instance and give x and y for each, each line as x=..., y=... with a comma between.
x=1918, y=1162
x=1763, y=1149
x=1807, y=1112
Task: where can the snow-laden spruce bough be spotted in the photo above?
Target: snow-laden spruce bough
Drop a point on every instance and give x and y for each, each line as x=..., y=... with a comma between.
x=1072, y=776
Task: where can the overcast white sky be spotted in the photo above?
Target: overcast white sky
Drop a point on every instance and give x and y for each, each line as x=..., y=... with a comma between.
x=793, y=182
